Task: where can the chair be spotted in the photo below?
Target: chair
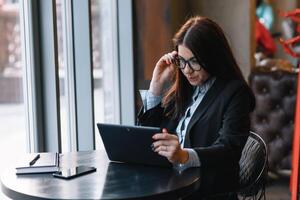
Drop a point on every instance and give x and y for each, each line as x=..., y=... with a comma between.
x=273, y=116
x=253, y=168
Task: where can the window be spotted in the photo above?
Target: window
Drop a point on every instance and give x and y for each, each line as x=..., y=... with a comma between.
x=105, y=70
x=66, y=76
x=12, y=110
x=51, y=117
x=12, y=107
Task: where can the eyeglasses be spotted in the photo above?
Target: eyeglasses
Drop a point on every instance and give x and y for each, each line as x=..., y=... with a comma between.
x=192, y=63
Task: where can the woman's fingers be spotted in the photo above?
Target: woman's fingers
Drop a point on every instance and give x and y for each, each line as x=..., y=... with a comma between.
x=168, y=151
x=169, y=57
x=161, y=148
x=164, y=136
x=170, y=148
x=164, y=143
x=174, y=53
x=166, y=154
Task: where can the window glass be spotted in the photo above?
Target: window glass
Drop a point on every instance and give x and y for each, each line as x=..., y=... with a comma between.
x=64, y=114
x=66, y=75
x=105, y=98
x=104, y=63
x=12, y=108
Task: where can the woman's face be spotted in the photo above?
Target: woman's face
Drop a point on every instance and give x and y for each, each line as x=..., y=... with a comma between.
x=195, y=78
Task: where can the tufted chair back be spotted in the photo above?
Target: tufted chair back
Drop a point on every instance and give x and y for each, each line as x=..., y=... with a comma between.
x=273, y=117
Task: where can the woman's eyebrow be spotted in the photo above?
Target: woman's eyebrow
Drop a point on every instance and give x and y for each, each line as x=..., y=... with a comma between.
x=191, y=58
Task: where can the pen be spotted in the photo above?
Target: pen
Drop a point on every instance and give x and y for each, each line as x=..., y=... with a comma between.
x=34, y=159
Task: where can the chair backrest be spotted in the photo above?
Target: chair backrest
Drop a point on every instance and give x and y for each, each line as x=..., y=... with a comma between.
x=275, y=93
x=253, y=166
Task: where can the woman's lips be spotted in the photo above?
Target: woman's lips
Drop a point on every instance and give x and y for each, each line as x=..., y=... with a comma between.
x=191, y=78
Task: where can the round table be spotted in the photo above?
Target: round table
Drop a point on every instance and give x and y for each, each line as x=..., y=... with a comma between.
x=110, y=181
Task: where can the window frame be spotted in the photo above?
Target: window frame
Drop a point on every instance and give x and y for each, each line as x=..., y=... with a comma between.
x=126, y=63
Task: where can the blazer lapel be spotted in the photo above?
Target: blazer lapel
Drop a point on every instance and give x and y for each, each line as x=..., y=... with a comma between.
x=203, y=106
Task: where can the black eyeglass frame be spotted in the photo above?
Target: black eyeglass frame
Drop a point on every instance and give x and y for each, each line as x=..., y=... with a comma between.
x=177, y=62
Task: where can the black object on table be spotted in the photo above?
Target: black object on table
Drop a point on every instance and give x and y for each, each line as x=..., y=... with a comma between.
x=110, y=181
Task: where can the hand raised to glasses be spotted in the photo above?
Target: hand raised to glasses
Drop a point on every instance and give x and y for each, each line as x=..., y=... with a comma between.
x=163, y=73
x=167, y=145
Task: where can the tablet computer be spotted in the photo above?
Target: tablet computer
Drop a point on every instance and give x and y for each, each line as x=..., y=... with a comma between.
x=131, y=144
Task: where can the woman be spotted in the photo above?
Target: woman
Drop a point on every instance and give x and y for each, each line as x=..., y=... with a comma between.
x=205, y=112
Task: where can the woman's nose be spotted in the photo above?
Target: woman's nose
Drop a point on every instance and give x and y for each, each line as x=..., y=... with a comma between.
x=187, y=69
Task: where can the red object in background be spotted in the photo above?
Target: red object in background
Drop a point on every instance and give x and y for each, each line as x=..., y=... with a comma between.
x=296, y=140
x=293, y=16
x=264, y=38
x=287, y=44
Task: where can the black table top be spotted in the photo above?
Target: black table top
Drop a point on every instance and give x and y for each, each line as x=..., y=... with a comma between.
x=110, y=181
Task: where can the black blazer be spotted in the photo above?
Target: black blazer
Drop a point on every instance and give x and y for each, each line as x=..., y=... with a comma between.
x=217, y=131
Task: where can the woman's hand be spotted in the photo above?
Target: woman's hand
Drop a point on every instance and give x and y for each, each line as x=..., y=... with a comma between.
x=168, y=146
x=163, y=72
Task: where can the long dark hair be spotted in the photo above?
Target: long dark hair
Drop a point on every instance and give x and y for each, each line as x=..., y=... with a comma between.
x=209, y=45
